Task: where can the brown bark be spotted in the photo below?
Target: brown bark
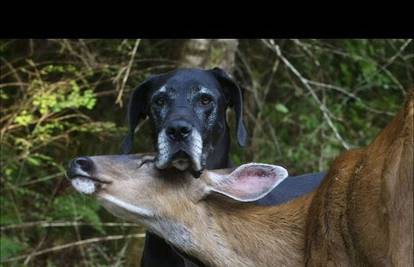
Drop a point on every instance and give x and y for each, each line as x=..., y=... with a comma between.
x=210, y=53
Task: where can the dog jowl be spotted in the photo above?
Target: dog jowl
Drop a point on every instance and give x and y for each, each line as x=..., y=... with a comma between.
x=187, y=112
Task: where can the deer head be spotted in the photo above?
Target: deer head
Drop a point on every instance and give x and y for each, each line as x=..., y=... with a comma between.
x=173, y=204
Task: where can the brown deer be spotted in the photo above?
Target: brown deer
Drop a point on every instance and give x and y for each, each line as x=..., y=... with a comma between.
x=361, y=215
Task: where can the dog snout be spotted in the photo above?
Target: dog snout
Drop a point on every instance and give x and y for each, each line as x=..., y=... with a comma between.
x=82, y=166
x=179, y=130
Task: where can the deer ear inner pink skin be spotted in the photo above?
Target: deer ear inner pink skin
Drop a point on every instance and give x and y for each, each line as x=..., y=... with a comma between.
x=250, y=182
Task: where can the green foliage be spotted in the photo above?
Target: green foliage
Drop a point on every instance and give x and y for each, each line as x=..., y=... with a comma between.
x=77, y=208
x=360, y=82
x=23, y=118
x=9, y=247
x=48, y=102
x=37, y=134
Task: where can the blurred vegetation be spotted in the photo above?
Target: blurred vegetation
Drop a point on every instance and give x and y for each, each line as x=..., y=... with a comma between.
x=305, y=102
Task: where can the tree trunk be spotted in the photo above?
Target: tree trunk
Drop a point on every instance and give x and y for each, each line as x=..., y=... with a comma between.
x=210, y=53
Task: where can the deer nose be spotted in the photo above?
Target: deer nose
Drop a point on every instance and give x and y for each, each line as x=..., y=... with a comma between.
x=82, y=166
x=179, y=130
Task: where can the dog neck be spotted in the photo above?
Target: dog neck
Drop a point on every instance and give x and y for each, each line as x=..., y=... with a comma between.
x=218, y=157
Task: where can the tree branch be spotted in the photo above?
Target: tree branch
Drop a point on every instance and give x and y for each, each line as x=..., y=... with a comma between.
x=306, y=84
x=73, y=244
x=126, y=76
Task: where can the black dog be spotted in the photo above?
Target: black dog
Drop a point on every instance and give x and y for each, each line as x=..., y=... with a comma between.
x=187, y=111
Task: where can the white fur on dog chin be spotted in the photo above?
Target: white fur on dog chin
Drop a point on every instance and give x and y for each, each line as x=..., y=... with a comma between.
x=84, y=185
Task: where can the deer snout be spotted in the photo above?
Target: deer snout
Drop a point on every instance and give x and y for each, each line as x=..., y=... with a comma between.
x=82, y=166
x=81, y=174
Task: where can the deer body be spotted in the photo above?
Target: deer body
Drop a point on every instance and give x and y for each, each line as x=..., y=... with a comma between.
x=361, y=215
x=363, y=212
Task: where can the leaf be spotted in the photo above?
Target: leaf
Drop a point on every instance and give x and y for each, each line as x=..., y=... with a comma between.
x=9, y=247
x=281, y=108
x=34, y=161
x=23, y=118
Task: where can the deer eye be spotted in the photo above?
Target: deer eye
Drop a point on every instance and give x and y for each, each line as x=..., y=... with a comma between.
x=205, y=99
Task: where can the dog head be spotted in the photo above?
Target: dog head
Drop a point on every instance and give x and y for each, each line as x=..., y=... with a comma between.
x=186, y=109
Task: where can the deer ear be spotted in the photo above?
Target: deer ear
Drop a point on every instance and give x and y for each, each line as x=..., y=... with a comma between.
x=249, y=182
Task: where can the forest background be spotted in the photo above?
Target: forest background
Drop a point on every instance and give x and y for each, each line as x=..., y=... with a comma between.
x=305, y=102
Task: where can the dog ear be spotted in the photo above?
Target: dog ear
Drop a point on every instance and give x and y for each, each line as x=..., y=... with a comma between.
x=249, y=182
x=137, y=110
x=235, y=98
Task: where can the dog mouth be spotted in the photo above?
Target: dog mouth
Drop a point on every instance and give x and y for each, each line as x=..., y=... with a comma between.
x=183, y=155
x=181, y=160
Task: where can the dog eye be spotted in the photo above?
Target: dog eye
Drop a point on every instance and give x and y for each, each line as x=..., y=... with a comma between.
x=160, y=101
x=205, y=99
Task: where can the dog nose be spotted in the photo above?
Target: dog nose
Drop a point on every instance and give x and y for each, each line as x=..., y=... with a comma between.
x=178, y=130
x=82, y=166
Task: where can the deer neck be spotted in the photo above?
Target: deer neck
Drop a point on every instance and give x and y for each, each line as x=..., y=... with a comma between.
x=248, y=235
